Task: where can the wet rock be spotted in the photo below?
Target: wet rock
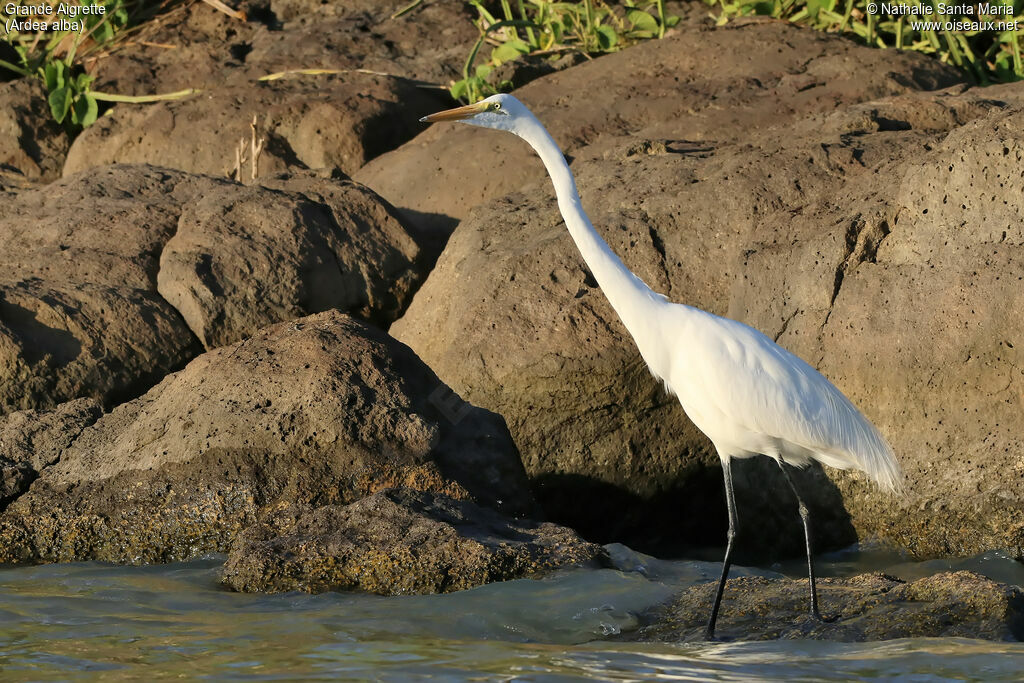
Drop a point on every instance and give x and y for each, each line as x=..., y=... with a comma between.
x=693, y=87
x=320, y=411
x=31, y=142
x=823, y=246
x=109, y=277
x=327, y=121
x=867, y=607
x=247, y=257
x=399, y=542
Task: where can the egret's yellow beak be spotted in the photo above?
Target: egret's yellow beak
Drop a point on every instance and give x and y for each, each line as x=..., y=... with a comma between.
x=457, y=114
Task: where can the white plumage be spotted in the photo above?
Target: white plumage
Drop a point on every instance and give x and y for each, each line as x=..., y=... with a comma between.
x=750, y=396
x=745, y=392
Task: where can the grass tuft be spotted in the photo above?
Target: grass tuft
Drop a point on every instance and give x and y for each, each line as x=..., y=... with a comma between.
x=549, y=30
x=986, y=54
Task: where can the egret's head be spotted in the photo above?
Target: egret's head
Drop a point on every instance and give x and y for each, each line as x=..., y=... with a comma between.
x=502, y=112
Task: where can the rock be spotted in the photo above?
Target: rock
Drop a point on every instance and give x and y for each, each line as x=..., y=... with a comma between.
x=511, y=319
x=251, y=256
x=32, y=440
x=30, y=140
x=950, y=268
x=333, y=122
x=195, y=46
x=867, y=607
x=429, y=43
x=693, y=88
x=109, y=277
x=400, y=542
x=188, y=46
x=320, y=411
x=38, y=437
x=79, y=311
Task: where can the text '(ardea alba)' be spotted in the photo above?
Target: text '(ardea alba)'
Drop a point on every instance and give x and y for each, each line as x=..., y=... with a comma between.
x=742, y=390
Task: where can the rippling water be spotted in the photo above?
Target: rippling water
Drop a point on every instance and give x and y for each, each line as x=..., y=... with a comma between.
x=91, y=620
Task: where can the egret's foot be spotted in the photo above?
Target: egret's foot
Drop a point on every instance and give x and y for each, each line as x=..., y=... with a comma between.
x=825, y=620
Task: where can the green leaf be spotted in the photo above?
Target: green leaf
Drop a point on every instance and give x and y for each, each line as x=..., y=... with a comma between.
x=53, y=76
x=459, y=89
x=606, y=37
x=671, y=20
x=84, y=111
x=60, y=103
x=483, y=70
x=82, y=82
x=642, y=20
x=508, y=51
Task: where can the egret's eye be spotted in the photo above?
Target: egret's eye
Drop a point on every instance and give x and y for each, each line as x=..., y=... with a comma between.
x=496, y=106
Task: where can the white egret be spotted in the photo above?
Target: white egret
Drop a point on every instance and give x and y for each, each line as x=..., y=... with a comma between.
x=747, y=394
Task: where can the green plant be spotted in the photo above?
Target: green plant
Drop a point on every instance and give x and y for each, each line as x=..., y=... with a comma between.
x=58, y=57
x=549, y=29
x=988, y=54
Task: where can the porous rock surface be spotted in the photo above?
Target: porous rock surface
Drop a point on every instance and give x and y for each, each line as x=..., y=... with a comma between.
x=879, y=239
x=31, y=440
x=249, y=256
x=866, y=607
x=111, y=279
x=79, y=310
x=195, y=46
x=319, y=122
x=321, y=411
x=692, y=88
x=387, y=72
x=31, y=142
x=399, y=542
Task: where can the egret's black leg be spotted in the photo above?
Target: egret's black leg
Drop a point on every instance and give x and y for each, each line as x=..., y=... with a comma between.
x=805, y=515
x=730, y=501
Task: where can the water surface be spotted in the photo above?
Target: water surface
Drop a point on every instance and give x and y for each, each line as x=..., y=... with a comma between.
x=92, y=620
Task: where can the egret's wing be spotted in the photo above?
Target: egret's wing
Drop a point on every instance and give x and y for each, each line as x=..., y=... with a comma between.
x=769, y=391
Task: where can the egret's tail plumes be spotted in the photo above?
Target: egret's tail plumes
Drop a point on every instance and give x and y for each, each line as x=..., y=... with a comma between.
x=863, y=448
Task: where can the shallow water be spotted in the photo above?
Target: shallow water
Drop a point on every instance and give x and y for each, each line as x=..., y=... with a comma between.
x=91, y=620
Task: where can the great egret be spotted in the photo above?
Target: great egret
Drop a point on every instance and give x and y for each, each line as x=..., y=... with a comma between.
x=743, y=391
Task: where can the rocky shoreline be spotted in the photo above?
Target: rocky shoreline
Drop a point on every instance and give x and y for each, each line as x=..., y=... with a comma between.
x=382, y=366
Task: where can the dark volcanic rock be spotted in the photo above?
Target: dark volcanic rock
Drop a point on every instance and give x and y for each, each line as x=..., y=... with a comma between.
x=867, y=607
x=31, y=440
x=693, y=87
x=107, y=278
x=873, y=240
x=400, y=541
x=330, y=121
x=429, y=43
x=30, y=140
x=247, y=257
x=195, y=46
x=320, y=411
x=79, y=310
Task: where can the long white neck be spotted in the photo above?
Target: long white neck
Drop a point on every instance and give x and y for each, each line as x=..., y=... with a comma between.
x=632, y=299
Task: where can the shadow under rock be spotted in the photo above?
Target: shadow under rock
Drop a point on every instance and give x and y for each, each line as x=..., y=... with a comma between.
x=431, y=230
x=690, y=518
